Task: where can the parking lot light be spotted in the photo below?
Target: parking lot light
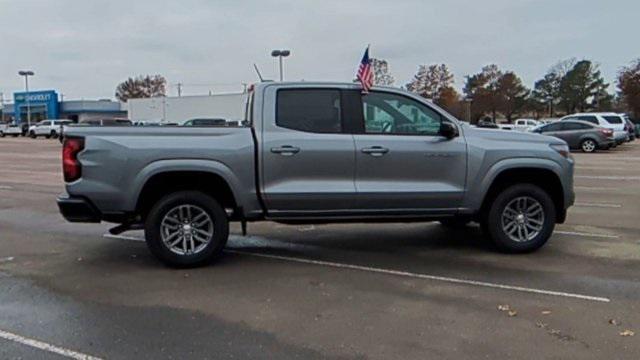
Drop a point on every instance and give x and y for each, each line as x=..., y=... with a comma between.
x=26, y=74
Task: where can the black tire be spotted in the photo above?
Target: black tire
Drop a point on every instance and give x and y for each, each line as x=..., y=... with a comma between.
x=210, y=252
x=492, y=221
x=455, y=222
x=588, y=145
x=54, y=134
x=32, y=135
x=1, y=134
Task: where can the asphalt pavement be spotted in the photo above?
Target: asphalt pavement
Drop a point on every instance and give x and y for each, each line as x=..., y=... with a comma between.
x=379, y=291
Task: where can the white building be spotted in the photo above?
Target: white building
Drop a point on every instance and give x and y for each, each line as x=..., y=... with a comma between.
x=180, y=109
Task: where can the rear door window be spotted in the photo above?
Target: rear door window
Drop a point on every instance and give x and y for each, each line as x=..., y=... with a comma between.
x=575, y=126
x=552, y=127
x=309, y=110
x=590, y=118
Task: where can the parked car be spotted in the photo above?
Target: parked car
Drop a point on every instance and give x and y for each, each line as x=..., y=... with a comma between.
x=10, y=130
x=525, y=125
x=608, y=120
x=630, y=126
x=579, y=134
x=205, y=122
x=487, y=124
x=48, y=128
x=308, y=155
x=106, y=122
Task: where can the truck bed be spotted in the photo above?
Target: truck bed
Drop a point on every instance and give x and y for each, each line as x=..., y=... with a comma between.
x=118, y=161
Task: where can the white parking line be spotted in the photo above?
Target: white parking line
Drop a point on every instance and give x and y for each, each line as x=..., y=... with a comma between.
x=6, y=259
x=6, y=187
x=595, y=188
x=46, y=347
x=406, y=274
x=603, y=205
x=585, y=234
x=424, y=276
x=123, y=237
x=606, y=177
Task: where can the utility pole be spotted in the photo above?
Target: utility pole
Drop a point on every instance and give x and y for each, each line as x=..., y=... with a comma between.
x=179, y=85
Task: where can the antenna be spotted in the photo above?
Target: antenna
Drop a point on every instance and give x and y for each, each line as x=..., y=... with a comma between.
x=258, y=71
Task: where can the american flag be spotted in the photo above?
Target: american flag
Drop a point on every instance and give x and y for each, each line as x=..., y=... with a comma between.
x=365, y=72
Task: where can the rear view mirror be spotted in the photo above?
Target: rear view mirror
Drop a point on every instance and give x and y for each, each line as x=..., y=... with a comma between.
x=448, y=130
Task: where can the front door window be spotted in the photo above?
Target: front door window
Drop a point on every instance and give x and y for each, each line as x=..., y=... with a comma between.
x=386, y=113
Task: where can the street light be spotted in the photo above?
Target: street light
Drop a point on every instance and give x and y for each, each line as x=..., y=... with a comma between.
x=468, y=101
x=26, y=74
x=280, y=54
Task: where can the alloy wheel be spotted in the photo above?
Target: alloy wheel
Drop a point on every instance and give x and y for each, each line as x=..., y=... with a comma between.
x=186, y=229
x=522, y=219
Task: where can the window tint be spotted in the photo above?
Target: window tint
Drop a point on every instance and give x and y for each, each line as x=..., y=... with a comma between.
x=575, y=126
x=552, y=127
x=590, y=118
x=310, y=110
x=612, y=119
x=386, y=113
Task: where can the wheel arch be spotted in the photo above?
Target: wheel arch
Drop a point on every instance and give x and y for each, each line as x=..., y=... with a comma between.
x=542, y=177
x=211, y=178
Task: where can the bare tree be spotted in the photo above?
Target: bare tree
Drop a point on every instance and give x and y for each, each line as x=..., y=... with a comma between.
x=141, y=87
x=382, y=75
x=431, y=80
x=629, y=86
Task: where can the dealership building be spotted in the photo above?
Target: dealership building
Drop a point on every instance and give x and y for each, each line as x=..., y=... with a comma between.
x=46, y=104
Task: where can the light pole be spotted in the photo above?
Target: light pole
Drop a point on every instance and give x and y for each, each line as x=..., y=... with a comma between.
x=280, y=54
x=467, y=101
x=26, y=74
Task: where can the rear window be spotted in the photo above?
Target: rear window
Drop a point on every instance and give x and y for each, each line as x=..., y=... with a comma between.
x=612, y=119
x=552, y=127
x=309, y=110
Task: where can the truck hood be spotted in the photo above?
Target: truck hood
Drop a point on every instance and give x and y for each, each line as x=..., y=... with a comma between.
x=509, y=135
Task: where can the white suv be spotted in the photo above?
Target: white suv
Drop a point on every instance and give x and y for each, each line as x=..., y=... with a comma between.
x=607, y=120
x=525, y=125
x=48, y=128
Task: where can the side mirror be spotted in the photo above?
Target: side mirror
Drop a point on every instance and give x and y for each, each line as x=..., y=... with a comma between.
x=448, y=130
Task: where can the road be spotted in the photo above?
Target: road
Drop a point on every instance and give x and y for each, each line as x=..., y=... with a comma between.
x=379, y=291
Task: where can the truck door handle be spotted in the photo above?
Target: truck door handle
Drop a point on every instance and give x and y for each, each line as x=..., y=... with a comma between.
x=285, y=150
x=375, y=150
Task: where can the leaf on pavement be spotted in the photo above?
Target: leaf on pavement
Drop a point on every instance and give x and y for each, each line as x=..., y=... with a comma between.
x=513, y=313
x=504, y=307
x=627, y=333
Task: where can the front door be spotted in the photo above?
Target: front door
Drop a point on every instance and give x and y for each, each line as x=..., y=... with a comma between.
x=308, y=161
x=402, y=163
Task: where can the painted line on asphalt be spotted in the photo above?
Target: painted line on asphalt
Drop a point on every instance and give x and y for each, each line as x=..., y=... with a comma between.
x=603, y=205
x=595, y=188
x=598, y=168
x=606, y=177
x=5, y=187
x=123, y=237
x=6, y=259
x=46, y=347
x=402, y=273
x=424, y=276
x=576, y=233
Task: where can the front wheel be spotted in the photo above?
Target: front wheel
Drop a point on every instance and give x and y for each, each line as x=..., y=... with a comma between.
x=588, y=145
x=186, y=229
x=520, y=219
x=1, y=134
x=32, y=135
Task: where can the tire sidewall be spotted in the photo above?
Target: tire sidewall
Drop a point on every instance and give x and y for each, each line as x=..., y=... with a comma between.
x=494, y=222
x=164, y=205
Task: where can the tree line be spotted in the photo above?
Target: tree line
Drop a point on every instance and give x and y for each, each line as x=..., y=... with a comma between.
x=569, y=86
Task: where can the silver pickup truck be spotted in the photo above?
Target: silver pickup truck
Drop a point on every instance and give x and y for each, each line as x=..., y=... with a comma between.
x=316, y=153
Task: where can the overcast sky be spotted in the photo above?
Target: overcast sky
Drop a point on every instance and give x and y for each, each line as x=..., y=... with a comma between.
x=85, y=48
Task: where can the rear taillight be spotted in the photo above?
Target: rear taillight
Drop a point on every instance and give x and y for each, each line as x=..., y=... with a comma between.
x=71, y=167
x=607, y=132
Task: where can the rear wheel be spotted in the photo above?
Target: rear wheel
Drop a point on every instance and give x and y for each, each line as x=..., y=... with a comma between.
x=520, y=219
x=53, y=134
x=588, y=145
x=186, y=229
x=1, y=133
x=32, y=135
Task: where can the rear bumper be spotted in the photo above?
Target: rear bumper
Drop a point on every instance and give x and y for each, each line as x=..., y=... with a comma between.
x=77, y=209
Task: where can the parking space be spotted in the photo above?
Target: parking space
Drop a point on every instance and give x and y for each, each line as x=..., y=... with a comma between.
x=332, y=291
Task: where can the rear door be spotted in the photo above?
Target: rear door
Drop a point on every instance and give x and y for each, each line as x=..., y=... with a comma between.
x=308, y=161
x=402, y=163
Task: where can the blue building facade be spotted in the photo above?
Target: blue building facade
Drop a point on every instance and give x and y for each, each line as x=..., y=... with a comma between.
x=42, y=105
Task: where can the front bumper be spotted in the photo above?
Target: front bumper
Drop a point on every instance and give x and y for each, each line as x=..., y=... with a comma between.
x=77, y=209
